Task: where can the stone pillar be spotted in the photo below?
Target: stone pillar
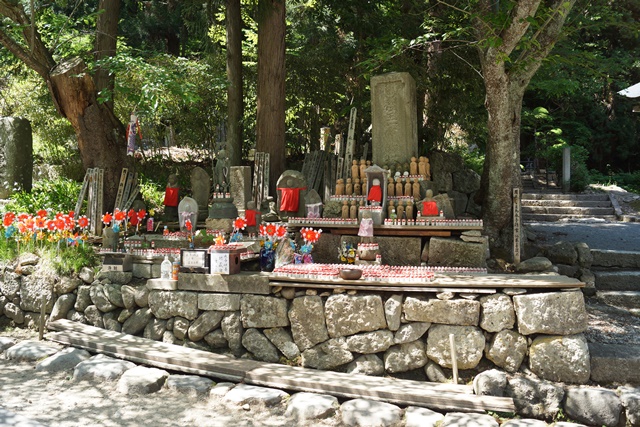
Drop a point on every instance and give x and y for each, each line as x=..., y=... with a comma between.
x=394, y=118
x=16, y=155
x=240, y=184
x=566, y=169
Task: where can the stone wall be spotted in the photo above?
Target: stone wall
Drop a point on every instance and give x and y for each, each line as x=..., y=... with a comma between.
x=372, y=333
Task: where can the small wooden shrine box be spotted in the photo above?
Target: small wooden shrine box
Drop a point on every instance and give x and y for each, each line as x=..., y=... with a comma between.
x=225, y=259
x=117, y=262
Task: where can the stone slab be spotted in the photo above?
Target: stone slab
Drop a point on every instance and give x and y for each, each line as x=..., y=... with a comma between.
x=219, y=302
x=243, y=393
x=365, y=412
x=162, y=284
x=64, y=360
x=243, y=283
x=101, y=368
x=615, y=363
x=30, y=351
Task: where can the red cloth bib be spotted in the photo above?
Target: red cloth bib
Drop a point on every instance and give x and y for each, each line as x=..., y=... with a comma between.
x=290, y=199
x=430, y=209
x=250, y=216
x=171, y=196
x=375, y=194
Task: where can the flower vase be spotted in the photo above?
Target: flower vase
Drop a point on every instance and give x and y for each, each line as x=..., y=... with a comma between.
x=307, y=259
x=267, y=259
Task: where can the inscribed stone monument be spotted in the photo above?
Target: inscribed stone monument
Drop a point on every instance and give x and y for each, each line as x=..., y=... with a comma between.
x=240, y=186
x=200, y=189
x=16, y=155
x=394, y=118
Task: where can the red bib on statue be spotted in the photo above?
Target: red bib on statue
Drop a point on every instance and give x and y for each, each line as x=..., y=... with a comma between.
x=290, y=200
x=171, y=196
x=430, y=209
x=250, y=216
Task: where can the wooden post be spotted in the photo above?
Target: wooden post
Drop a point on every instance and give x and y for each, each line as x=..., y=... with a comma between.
x=100, y=204
x=517, y=224
x=43, y=308
x=454, y=358
x=83, y=193
x=123, y=182
x=348, y=154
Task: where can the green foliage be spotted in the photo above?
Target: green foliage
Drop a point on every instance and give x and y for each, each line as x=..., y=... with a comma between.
x=57, y=195
x=629, y=181
x=8, y=249
x=71, y=259
x=152, y=194
x=580, y=178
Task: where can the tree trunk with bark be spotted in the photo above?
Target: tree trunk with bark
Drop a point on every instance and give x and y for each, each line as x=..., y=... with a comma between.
x=510, y=54
x=106, y=38
x=235, y=107
x=270, y=124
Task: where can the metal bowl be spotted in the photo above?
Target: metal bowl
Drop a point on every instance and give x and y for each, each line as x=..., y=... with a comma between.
x=350, y=273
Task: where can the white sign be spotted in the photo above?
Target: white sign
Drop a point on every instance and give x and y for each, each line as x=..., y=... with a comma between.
x=517, y=225
x=220, y=262
x=194, y=259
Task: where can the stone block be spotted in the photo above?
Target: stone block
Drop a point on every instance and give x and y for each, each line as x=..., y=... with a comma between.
x=328, y=355
x=535, y=398
x=469, y=342
x=410, y=332
x=370, y=342
x=166, y=304
x=394, y=118
x=367, y=364
x=393, y=311
x=348, y=315
x=243, y=283
x=497, y=313
x=405, y=357
x=552, y=313
x=306, y=407
x=259, y=345
x=456, y=253
x=507, y=350
x=162, y=284
x=307, y=321
x=451, y=312
x=560, y=358
x=219, y=302
x=399, y=250
x=146, y=269
x=205, y=323
x=240, y=186
x=615, y=363
x=263, y=312
x=282, y=339
x=365, y=412
x=591, y=406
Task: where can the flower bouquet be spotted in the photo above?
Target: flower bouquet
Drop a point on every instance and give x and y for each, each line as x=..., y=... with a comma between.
x=238, y=225
x=271, y=235
x=310, y=237
x=347, y=253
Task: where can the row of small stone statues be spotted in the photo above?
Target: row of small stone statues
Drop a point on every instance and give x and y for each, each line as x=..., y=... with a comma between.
x=418, y=167
x=398, y=209
x=395, y=188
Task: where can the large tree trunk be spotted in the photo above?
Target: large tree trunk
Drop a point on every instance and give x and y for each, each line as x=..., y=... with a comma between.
x=235, y=105
x=106, y=37
x=270, y=136
x=101, y=136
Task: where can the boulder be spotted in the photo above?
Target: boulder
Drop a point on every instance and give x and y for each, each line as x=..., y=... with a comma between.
x=456, y=253
x=370, y=342
x=455, y=419
x=128, y=296
x=83, y=298
x=102, y=368
x=366, y=413
x=497, y=313
x=14, y=313
x=535, y=398
x=155, y=329
x=247, y=394
x=110, y=320
x=562, y=253
x=328, y=355
x=507, y=350
x=232, y=330
x=585, y=258
x=552, y=313
x=591, y=406
x=180, y=327
x=114, y=294
x=561, y=358
x=33, y=289
x=306, y=407
x=116, y=277
x=348, y=315
x=142, y=380
x=460, y=201
x=282, y=339
x=466, y=181
x=216, y=339
x=536, y=264
x=469, y=342
x=137, y=322
x=452, y=312
x=260, y=346
x=10, y=284
x=99, y=298
x=490, y=383
x=66, y=285
x=630, y=398
x=64, y=360
x=307, y=321
x=409, y=332
x=393, y=312
x=141, y=297
x=94, y=316
x=434, y=373
x=405, y=357
x=86, y=275
x=367, y=364
x=30, y=351
x=205, y=323
x=421, y=417
x=263, y=312
x=62, y=306
x=191, y=385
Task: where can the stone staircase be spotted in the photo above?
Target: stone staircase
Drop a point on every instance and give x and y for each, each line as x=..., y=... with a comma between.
x=617, y=282
x=617, y=277
x=554, y=206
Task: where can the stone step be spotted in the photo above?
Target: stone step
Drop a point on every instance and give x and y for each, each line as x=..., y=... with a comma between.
x=569, y=203
x=619, y=259
x=558, y=217
x=615, y=363
x=626, y=299
x=568, y=210
x=617, y=280
x=560, y=196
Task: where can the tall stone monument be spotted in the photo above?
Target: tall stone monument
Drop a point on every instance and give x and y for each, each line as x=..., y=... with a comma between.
x=16, y=155
x=394, y=118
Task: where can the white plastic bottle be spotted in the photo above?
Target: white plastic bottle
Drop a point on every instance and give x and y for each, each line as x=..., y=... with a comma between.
x=165, y=268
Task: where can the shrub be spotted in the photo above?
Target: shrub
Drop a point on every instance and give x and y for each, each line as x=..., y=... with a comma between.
x=56, y=195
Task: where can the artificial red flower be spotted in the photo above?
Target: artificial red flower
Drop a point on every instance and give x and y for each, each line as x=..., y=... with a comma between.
x=60, y=224
x=8, y=219
x=133, y=220
x=22, y=228
x=119, y=215
x=131, y=214
x=107, y=218
x=72, y=214
x=141, y=214
x=41, y=222
x=271, y=230
x=188, y=225
x=30, y=224
x=51, y=225
x=83, y=222
x=262, y=229
x=281, y=231
x=23, y=217
x=69, y=223
x=42, y=213
x=239, y=223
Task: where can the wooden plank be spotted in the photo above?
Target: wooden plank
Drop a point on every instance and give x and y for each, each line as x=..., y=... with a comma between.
x=387, y=232
x=372, y=286
x=350, y=148
x=134, y=192
x=405, y=392
x=326, y=179
x=365, y=151
x=340, y=169
x=149, y=352
x=178, y=358
x=123, y=182
x=83, y=193
x=265, y=175
x=127, y=190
